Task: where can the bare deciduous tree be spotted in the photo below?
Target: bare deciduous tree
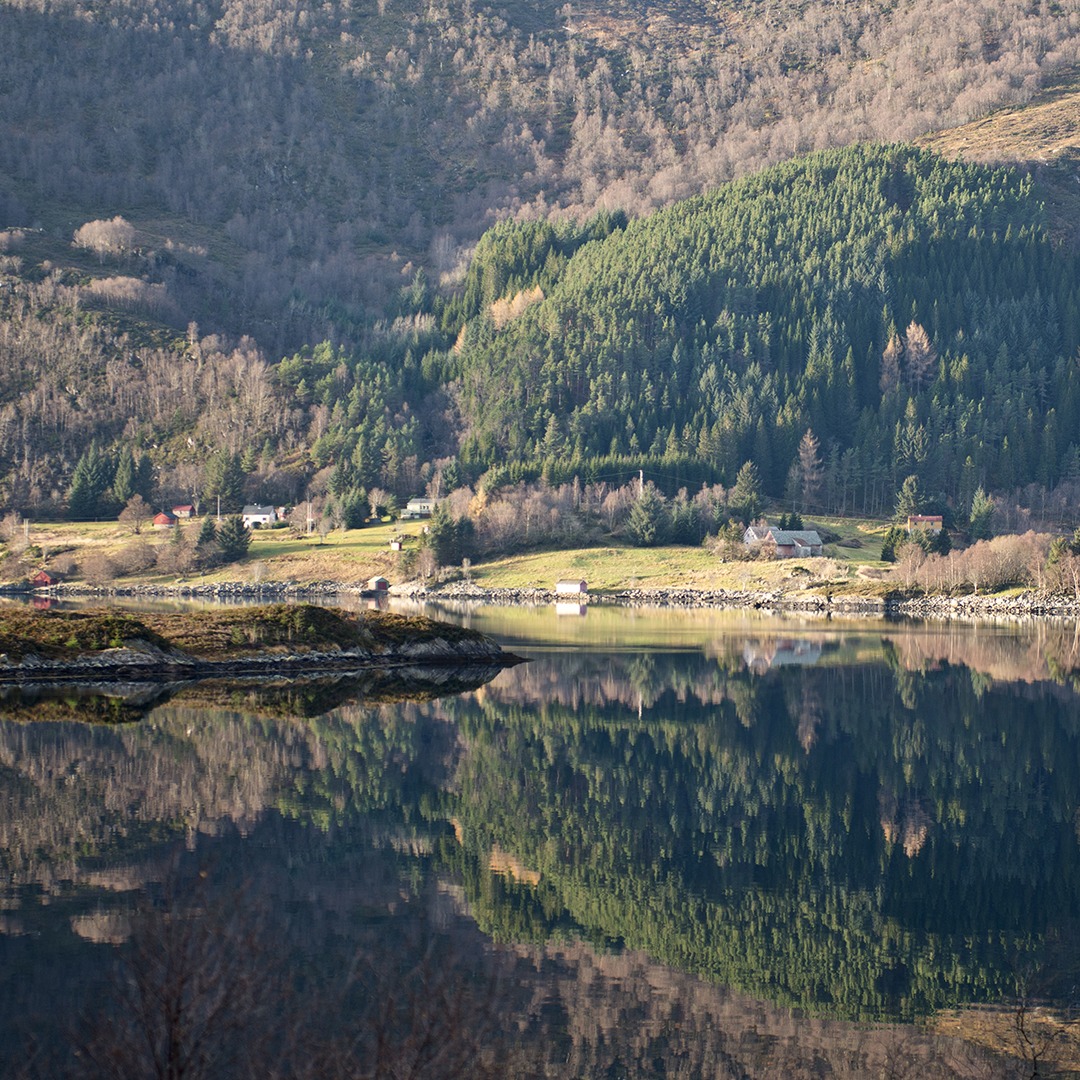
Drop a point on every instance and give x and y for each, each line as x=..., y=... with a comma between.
x=115, y=237
x=135, y=514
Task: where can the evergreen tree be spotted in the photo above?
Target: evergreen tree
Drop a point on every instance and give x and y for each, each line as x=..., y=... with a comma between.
x=982, y=511
x=90, y=483
x=225, y=481
x=451, y=476
x=124, y=484
x=893, y=539
x=645, y=523
x=967, y=487
x=448, y=539
x=206, y=549
x=745, y=498
x=144, y=477
x=233, y=539
x=353, y=508
x=908, y=499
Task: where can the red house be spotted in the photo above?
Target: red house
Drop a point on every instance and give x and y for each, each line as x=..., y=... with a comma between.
x=165, y=520
x=930, y=522
x=184, y=511
x=43, y=579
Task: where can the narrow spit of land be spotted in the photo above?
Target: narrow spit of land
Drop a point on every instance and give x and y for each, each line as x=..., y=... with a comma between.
x=275, y=639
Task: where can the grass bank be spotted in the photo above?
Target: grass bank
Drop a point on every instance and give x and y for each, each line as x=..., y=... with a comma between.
x=80, y=552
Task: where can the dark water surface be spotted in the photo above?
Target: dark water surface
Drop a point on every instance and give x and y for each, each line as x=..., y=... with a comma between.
x=672, y=844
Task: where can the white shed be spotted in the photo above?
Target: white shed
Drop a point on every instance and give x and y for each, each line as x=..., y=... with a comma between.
x=571, y=587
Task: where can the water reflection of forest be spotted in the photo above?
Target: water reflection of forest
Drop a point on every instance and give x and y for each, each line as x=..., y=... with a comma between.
x=872, y=831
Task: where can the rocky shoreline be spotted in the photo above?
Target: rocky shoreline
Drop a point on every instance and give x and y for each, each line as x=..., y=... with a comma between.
x=1014, y=605
x=147, y=663
x=1024, y=605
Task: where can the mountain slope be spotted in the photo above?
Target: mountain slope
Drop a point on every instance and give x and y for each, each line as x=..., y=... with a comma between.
x=282, y=166
x=1042, y=136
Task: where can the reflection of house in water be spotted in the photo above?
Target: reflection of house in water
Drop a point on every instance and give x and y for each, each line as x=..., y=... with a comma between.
x=759, y=656
x=563, y=607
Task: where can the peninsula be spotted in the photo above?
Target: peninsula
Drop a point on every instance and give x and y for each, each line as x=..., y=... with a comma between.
x=276, y=639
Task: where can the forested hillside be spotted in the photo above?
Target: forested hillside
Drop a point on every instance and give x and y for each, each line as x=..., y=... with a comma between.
x=236, y=247
x=909, y=313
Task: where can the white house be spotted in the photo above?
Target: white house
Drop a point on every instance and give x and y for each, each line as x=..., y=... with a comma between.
x=255, y=517
x=420, y=507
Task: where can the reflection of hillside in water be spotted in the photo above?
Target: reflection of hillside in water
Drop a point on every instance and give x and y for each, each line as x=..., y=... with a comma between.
x=880, y=833
x=1039, y=651
x=825, y=834
x=604, y=1014
x=76, y=794
x=1043, y=653
x=292, y=696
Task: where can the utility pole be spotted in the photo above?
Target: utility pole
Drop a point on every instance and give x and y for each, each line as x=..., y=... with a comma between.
x=641, y=483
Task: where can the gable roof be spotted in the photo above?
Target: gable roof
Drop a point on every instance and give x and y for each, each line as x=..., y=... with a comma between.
x=782, y=537
x=797, y=537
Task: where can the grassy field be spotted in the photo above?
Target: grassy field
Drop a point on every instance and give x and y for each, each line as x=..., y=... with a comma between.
x=77, y=550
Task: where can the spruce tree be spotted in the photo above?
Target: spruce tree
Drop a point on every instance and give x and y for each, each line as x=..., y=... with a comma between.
x=893, y=539
x=908, y=498
x=206, y=547
x=90, y=485
x=124, y=482
x=982, y=510
x=645, y=523
x=225, y=480
x=233, y=539
x=745, y=498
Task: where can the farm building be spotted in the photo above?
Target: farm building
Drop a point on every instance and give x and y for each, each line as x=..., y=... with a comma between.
x=789, y=543
x=929, y=522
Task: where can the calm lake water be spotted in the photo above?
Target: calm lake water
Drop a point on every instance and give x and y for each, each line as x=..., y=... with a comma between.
x=672, y=844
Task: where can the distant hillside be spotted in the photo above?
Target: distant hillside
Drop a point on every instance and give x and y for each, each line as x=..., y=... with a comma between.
x=246, y=249
x=854, y=324
x=287, y=168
